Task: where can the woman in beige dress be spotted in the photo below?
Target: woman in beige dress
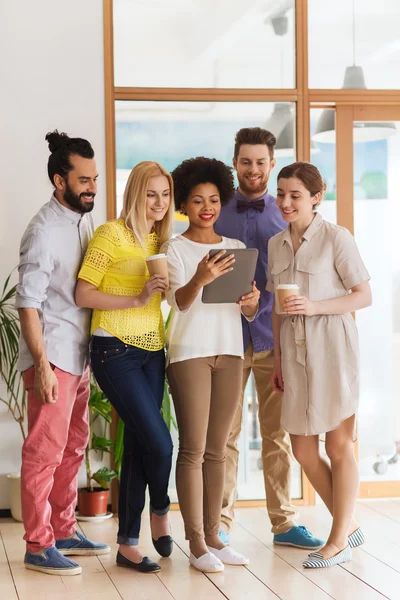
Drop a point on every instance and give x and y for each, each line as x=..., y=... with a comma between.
x=316, y=349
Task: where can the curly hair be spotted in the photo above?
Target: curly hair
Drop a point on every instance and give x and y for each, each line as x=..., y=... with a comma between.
x=198, y=170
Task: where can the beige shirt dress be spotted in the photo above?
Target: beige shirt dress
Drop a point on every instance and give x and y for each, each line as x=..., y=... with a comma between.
x=320, y=355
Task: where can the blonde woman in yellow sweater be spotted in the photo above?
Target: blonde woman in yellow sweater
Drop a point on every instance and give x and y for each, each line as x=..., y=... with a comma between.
x=127, y=350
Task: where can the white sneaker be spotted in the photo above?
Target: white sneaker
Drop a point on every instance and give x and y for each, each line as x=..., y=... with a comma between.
x=228, y=556
x=207, y=563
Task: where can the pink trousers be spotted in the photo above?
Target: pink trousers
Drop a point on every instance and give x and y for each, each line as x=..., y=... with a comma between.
x=51, y=457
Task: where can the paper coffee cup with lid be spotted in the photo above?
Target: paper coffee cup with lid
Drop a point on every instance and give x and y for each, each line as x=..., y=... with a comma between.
x=157, y=264
x=283, y=291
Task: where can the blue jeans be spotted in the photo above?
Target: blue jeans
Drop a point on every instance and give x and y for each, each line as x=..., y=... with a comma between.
x=133, y=381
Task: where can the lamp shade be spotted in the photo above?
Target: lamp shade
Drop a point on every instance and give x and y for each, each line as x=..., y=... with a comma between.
x=282, y=124
x=325, y=131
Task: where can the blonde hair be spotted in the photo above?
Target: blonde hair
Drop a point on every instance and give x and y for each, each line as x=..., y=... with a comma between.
x=134, y=206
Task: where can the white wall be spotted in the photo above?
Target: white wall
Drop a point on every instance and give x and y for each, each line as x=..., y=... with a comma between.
x=51, y=74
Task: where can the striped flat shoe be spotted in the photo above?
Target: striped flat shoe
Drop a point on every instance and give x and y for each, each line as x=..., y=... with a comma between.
x=317, y=561
x=357, y=538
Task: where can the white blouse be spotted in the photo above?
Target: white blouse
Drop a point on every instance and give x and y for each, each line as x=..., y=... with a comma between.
x=202, y=329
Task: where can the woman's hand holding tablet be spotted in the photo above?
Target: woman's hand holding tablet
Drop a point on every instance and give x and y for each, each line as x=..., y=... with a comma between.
x=238, y=269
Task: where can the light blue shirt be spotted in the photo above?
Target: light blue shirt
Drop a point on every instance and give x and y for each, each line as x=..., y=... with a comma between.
x=51, y=252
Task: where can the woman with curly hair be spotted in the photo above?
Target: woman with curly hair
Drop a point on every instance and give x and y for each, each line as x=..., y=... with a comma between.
x=205, y=350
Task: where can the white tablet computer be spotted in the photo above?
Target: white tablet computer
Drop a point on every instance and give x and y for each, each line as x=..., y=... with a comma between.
x=231, y=286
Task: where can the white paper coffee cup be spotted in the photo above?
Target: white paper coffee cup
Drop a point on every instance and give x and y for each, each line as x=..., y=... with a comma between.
x=283, y=291
x=157, y=264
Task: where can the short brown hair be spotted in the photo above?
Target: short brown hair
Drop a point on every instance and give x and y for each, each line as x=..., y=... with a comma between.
x=308, y=174
x=253, y=136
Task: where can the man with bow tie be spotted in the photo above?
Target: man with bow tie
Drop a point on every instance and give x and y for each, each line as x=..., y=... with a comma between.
x=253, y=217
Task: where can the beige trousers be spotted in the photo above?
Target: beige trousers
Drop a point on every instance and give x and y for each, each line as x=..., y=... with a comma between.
x=206, y=394
x=276, y=451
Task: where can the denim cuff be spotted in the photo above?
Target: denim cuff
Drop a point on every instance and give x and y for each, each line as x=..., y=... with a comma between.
x=161, y=512
x=123, y=540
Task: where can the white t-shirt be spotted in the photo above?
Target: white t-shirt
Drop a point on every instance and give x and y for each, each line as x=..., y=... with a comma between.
x=202, y=329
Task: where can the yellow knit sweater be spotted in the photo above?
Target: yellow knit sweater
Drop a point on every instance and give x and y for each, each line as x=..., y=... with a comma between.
x=116, y=264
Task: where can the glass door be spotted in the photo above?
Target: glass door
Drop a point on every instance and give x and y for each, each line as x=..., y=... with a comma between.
x=374, y=218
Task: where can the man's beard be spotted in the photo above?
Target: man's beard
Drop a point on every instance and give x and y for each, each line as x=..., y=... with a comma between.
x=260, y=189
x=76, y=201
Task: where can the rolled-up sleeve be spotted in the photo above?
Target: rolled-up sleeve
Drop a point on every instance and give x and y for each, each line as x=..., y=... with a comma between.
x=348, y=262
x=176, y=275
x=36, y=264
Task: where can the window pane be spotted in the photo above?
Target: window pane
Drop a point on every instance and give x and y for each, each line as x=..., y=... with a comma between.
x=169, y=132
x=204, y=43
x=338, y=42
x=376, y=216
x=323, y=156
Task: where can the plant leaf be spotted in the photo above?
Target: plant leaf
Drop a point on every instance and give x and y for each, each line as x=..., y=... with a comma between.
x=101, y=444
x=103, y=476
x=119, y=446
x=166, y=408
x=9, y=348
x=102, y=407
x=98, y=402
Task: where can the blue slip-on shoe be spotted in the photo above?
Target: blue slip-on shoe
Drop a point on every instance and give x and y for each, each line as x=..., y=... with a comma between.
x=50, y=561
x=224, y=537
x=79, y=545
x=298, y=537
x=317, y=561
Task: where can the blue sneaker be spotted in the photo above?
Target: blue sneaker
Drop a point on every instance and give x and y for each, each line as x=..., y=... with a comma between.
x=79, y=545
x=298, y=537
x=50, y=561
x=224, y=537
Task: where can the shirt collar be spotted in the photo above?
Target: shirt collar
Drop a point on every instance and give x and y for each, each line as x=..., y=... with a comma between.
x=267, y=197
x=312, y=228
x=309, y=232
x=63, y=211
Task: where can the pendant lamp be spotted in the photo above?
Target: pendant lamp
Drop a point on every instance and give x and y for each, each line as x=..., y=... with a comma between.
x=354, y=79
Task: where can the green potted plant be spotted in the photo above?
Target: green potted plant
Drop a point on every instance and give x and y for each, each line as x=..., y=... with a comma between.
x=93, y=499
x=13, y=385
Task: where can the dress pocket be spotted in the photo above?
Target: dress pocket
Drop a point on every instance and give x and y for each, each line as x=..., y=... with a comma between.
x=280, y=272
x=316, y=277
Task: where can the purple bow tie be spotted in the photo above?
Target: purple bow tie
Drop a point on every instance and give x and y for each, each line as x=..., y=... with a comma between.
x=243, y=205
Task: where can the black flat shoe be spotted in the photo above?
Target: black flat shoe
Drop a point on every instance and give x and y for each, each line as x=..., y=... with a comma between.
x=164, y=545
x=145, y=566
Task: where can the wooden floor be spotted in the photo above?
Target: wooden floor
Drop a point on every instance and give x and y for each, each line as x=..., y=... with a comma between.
x=274, y=572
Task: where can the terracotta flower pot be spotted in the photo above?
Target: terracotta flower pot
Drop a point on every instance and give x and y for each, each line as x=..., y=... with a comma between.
x=92, y=504
x=15, y=495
